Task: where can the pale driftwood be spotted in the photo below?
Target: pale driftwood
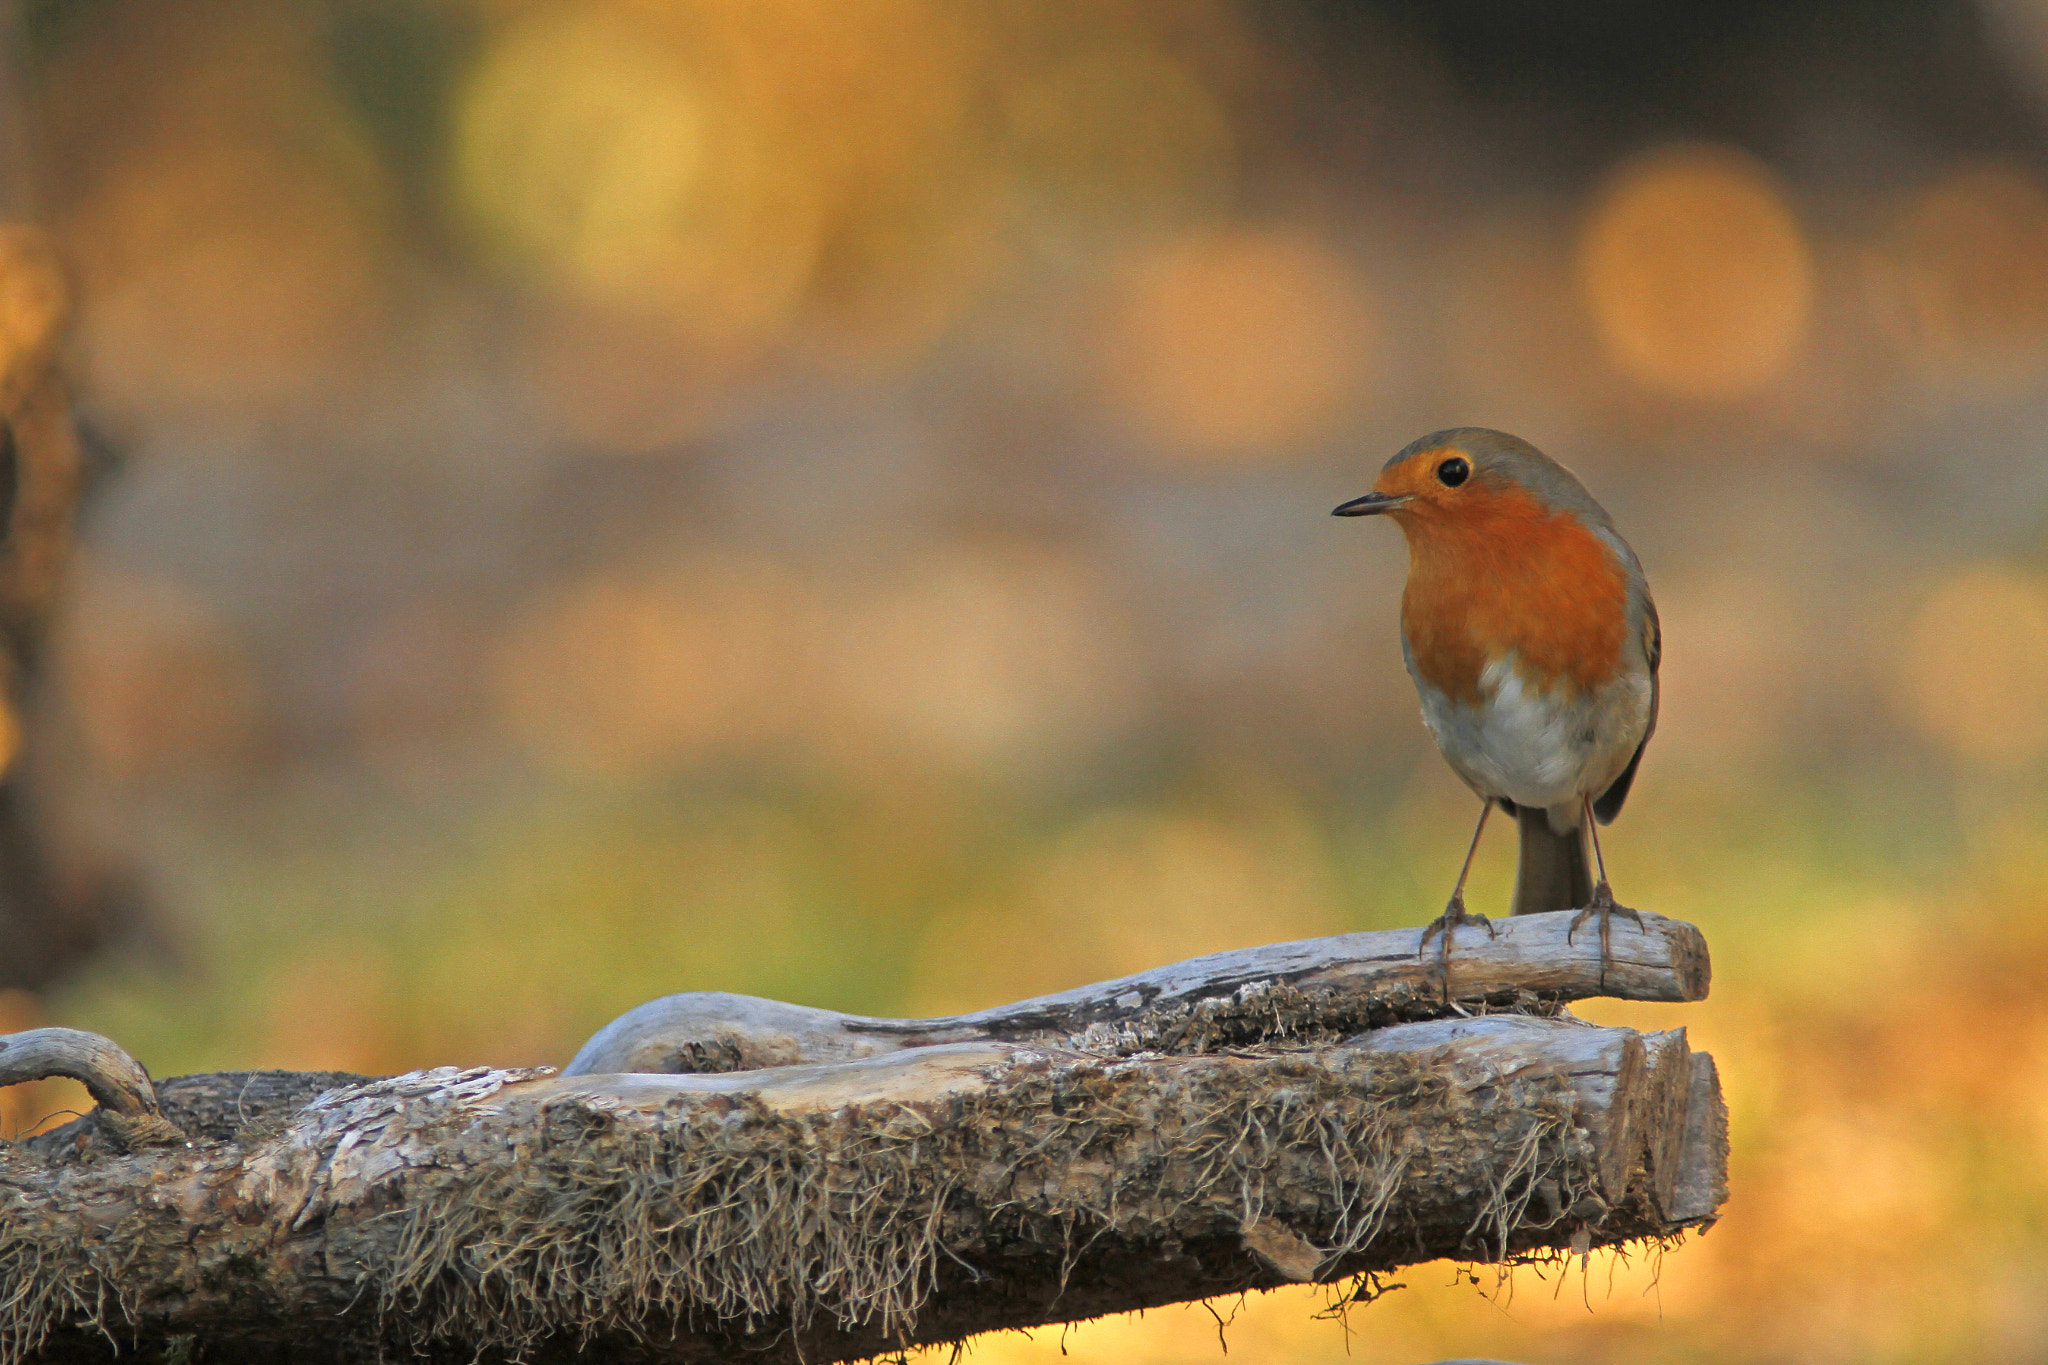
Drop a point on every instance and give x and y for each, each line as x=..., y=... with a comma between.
x=824, y=1212
x=1321, y=985
x=118, y=1084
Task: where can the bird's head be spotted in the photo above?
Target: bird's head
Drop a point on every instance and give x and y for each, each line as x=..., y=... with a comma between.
x=1466, y=473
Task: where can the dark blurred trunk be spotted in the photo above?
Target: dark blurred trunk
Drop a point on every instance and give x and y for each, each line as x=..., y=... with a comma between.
x=54, y=909
x=17, y=199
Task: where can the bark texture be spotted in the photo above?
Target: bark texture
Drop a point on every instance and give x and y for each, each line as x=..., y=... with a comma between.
x=832, y=1208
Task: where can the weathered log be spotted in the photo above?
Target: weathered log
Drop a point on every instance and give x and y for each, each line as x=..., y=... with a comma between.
x=829, y=1210
x=1314, y=987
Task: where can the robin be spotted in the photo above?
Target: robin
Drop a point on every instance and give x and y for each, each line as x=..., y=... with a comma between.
x=1528, y=627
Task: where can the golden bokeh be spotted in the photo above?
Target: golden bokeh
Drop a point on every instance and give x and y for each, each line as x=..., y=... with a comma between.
x=34, y=301
x=1961, y=281
x=890, y=102
x=580, y=142
x=1975, y=666
x=979, y=662
x=234, y=258
x=1696, y=272
x=1238, y=344
x=215, y=311
x=620, y=154
x=1120, y=128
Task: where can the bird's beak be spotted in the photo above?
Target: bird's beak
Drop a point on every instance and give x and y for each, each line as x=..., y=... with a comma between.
x=1371, y=504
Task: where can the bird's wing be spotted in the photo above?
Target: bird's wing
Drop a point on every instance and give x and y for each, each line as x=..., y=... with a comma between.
x=1608, y=804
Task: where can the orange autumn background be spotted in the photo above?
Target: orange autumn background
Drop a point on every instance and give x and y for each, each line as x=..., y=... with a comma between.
x=830, y=501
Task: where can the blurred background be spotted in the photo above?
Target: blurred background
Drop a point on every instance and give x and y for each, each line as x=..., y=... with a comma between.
x=830, y=501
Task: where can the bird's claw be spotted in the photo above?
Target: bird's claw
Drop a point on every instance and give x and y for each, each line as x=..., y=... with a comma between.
x=1606, y=907
x=1454, y=915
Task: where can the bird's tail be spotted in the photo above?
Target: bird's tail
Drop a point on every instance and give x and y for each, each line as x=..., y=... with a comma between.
x=1553, y=874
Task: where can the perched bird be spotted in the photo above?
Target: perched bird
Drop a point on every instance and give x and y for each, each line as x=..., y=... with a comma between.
x=1528, y=628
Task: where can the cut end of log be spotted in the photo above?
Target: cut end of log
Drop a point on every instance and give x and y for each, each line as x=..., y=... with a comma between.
x=1701, y=1187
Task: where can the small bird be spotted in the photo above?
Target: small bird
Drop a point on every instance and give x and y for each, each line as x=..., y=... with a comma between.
x=1528, y=628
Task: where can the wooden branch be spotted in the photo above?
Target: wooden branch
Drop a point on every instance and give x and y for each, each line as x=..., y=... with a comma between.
x=127, y=1112
x=1326, y=986
x=828, y=1210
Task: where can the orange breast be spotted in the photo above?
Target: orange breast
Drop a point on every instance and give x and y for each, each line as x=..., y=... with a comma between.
x=1501, y=573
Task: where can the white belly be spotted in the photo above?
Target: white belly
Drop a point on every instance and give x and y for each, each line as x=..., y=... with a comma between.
x=1536, y=746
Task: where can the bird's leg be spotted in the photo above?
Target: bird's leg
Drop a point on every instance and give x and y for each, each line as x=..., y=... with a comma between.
x=1455, y=913
x=1603, y=903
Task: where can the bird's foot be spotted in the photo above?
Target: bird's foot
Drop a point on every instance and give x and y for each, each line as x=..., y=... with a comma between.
x=1606, y=908
x=1454, y=915
x=1604, y=905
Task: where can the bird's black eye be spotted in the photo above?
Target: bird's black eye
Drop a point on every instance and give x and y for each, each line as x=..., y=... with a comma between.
x=1453, y=472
